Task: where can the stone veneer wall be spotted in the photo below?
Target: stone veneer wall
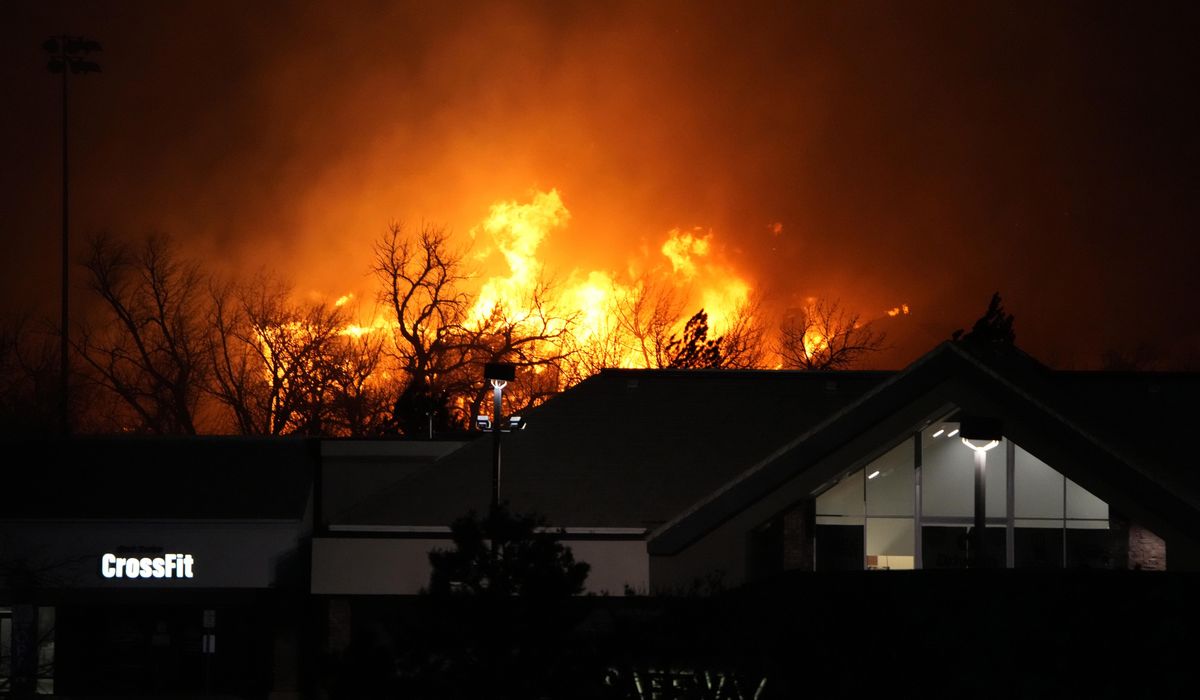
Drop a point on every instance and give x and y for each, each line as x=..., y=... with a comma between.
x=1147, y=551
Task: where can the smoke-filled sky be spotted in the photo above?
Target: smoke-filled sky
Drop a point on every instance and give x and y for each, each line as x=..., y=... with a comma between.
x=917, y=153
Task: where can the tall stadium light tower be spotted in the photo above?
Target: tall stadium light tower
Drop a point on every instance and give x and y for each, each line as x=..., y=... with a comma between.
x=68, y=54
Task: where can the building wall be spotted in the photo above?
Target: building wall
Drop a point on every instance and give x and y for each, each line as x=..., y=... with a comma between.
x=67, y=554
x=400, y=565
x=371, y=566
x=133, y=636
x=1147, y=551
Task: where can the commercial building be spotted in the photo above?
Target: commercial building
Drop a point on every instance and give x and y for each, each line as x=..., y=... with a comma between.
x=229, y=564
x=665, y=480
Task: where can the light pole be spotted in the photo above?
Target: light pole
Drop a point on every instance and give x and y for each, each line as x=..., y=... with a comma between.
x=981, y=435
x=67, y=54
x=499, y=374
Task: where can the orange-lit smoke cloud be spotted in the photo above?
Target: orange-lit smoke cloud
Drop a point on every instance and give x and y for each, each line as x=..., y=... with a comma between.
x=294, y=143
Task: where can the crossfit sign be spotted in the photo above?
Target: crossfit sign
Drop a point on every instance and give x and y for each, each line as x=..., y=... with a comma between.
x=166, y=566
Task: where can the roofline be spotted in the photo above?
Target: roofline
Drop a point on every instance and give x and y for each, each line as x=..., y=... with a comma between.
x=791, y=445
x=944, y=349
x=445, y=530
x=670, y=372
x=156, y=520
x=351, y=447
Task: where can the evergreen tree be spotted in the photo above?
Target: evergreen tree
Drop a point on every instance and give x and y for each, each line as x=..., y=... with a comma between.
x=994, y=329
x=694, y=350
x=506, y=554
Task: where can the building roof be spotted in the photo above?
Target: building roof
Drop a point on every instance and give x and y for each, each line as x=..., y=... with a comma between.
x=1103, y=430
x=625, y=448
x=168, y=478
x=354, y=469
x=679, y=452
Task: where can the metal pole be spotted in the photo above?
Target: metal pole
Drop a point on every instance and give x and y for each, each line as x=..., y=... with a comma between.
x=977, y=544
x=1010, y=531
x=498, y=386
x=65, y=364
x=918, y=552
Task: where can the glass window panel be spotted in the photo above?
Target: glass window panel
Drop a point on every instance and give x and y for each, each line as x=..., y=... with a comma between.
x=1038, y=544
x=5, y=646
x=845, y=498
x=890, y=482
x=1096, y=548
x=947, y=474
x=944, y=546
x=996, y=477
x=1037, y=488
x=839, y=548
x=947, y=546
x=890, y=543
x=1082, y=504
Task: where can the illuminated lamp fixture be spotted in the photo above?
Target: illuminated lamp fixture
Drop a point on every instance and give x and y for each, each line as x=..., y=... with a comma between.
x=952, y=433
x=499, y=374
x=483, y=423
x=516, y=423
x=873, y=474
x=979, y=445
x=980, y=434
x=939, y=432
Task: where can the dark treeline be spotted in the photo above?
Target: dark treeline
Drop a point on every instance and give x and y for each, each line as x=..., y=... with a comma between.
x=168, y=347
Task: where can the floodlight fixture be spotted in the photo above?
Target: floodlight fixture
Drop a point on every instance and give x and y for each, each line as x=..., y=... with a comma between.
x=483, y=423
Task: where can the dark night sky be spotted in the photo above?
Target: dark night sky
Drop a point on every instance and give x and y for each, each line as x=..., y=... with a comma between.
x=920, y=153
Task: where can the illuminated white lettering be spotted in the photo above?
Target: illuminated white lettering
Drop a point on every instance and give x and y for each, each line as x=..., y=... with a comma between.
x=173, y=565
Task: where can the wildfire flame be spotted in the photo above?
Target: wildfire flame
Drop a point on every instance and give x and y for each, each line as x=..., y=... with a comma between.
x=517, y=230
x=814, y=342
x=688, y=263
x=590, y=297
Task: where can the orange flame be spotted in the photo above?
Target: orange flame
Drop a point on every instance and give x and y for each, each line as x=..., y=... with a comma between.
x=590, y=297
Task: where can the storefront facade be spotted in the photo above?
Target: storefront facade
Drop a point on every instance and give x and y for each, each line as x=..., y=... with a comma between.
x=183, y=570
